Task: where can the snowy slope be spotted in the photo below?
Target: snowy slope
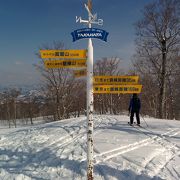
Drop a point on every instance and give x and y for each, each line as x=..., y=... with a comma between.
x=57, y=150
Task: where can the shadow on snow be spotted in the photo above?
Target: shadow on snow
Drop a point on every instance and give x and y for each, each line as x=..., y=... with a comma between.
x=29, y=162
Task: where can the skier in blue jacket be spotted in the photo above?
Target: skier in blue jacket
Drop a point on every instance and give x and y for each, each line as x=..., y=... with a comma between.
x=134, y=108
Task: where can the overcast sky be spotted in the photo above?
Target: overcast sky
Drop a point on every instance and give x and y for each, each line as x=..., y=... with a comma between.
x=27, y=24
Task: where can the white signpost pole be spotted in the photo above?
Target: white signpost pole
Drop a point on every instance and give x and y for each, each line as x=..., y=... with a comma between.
x=91, y=20
x=90, y=109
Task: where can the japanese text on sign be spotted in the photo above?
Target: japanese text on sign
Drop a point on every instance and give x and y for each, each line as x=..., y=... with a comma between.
x=116, y=79
x=117, y=89
x=65, y=63
x=64, y=54
x=80, y=73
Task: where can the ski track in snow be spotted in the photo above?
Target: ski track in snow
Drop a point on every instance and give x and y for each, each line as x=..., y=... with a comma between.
x=58, y=151
x=154, y=163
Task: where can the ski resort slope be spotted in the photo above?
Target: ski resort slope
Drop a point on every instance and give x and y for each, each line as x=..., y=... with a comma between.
x=57, y=151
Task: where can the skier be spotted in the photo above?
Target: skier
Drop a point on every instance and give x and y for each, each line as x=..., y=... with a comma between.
x=134, y=107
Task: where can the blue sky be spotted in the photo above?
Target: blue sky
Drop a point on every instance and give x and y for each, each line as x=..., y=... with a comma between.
x=27, y=24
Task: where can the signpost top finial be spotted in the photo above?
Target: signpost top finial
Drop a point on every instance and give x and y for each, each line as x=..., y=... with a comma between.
x=92, y=18
x=89, y=4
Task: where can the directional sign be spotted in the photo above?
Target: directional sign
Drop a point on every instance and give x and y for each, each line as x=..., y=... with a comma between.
x=80, y=73
x=64, y=54
x=115, y=79
x=117, y=89
x=89, y=33
x=65, y=63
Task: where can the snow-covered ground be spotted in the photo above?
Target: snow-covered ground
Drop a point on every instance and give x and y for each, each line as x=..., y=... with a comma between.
x=57, y=151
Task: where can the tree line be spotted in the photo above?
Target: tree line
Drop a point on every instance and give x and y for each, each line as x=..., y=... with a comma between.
x=13, y=109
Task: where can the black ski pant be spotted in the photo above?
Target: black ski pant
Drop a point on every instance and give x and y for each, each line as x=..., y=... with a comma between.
x=132, y=117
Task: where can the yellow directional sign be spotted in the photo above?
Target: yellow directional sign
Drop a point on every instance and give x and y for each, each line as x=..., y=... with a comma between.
x=65, y=63
x=117, y=89
x=80, y=73
x=64, y=54
x=116, y=79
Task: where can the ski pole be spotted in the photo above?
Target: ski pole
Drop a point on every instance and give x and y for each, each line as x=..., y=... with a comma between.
x=144, y=121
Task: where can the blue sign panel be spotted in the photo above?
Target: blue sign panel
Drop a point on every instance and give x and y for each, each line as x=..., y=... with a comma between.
x=89, y=33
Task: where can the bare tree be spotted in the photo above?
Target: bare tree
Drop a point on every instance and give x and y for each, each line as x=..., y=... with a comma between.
x=9, y=106
x=105, y=103
x=59, y=85
x=158, y=45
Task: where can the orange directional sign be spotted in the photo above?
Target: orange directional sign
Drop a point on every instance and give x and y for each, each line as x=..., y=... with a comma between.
x=80, y=73
x=116, y=79
x=117, y=89
x=65, y=63
x=64, y=54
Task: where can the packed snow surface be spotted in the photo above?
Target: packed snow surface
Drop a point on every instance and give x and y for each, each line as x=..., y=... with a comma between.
x=57, y=150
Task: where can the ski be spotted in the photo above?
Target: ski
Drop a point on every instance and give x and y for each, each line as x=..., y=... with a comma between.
x=138, y=125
